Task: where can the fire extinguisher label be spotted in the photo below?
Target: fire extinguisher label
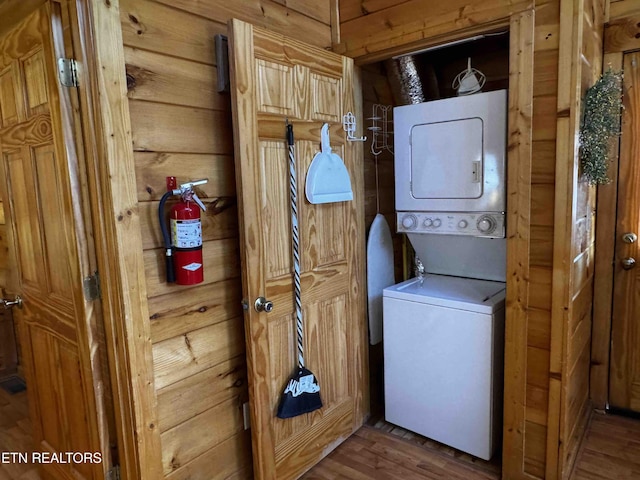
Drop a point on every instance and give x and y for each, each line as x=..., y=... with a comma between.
x=192, y=267
x=186, y=233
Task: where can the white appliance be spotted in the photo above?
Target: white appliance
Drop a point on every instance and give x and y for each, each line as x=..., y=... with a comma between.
x=450, y=164
x=444, y=335
x=450, y=158
x=443, y=344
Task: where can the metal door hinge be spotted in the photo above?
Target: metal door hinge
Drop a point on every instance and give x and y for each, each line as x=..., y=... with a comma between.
x=68, y=72
x=91, y=286
x=114, y=473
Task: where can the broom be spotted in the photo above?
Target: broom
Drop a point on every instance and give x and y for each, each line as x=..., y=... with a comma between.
x=302, y=393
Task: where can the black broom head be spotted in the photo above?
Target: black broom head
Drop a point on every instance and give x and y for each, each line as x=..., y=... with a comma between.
x=301, y=395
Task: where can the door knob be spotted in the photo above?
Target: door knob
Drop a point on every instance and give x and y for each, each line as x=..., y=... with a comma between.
x=628, y=263
x=263, y=305
x=11, y=303
x=629, y=237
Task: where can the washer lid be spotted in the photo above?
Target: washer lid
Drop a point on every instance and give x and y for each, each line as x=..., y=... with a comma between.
x=481, y=296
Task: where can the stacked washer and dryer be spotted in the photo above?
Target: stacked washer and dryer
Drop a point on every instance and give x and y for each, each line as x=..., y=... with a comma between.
x=444, y=330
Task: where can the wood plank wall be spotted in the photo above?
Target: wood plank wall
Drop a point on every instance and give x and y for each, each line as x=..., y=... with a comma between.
x=574, y=245
x=181, y=126
x=375, y=30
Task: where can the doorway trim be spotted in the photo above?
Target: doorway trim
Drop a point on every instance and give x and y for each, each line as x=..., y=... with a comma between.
x=521, y=27
x=105, y=121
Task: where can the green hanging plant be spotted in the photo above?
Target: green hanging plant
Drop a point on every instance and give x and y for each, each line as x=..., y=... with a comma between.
x=600, y=123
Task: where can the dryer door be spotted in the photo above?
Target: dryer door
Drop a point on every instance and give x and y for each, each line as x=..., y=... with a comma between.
x=447, y=160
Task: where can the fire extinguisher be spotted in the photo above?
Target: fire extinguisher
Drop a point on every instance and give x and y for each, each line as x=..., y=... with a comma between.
x=183, y=245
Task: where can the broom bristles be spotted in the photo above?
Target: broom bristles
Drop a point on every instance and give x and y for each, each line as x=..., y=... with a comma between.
x=301, y=395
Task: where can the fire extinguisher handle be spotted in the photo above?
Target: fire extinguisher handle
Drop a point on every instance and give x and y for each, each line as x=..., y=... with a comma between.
x=171, y=274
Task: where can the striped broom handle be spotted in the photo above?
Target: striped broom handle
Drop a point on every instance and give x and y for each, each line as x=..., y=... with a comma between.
x=295, y=242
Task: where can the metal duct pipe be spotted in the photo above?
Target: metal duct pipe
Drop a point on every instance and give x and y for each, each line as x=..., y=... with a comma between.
x=404, y=80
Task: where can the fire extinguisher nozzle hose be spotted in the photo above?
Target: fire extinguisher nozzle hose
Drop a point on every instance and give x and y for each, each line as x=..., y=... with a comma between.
x=171, y=276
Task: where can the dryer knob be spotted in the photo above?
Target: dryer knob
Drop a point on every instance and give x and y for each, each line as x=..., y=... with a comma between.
x=462, y=224
x=486, y=224
x=427, y=223
x=409, y=221
x=437, y=222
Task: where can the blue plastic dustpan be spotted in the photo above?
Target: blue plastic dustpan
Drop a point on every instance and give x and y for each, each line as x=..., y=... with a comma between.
x=328, y=180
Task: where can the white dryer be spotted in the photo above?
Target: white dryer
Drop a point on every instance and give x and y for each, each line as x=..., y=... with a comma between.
x=443, y=366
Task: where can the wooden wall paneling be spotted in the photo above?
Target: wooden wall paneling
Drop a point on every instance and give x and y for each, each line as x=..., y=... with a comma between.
x=622, y=34
x=374, y=36
x=195, y=351
x=577, y=403
x=205, y=305
x=580, y=63
x=175, y=128
x=623, y=8
x=153, y=77
x=105, y=113
x=150, y=26
x=566, y=149
x=184, y=399
x=204, y=431
x=518, y=234
x=603, y=275
x=289, y=18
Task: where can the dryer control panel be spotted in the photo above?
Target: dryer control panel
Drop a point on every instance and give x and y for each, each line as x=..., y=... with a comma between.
x=476, y=224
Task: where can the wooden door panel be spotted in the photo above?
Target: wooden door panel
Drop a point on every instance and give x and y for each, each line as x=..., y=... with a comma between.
x=58, y=286
x=21, y=201
x=624, y=377
x=46, y=239
x=36, y=92
x=276, y=79
x=11, y=110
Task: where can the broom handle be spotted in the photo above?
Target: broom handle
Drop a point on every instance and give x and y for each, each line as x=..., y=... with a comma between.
x=295, y=242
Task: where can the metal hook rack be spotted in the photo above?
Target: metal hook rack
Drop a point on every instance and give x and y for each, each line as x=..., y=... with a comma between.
x=349, y=126
x=379, y=128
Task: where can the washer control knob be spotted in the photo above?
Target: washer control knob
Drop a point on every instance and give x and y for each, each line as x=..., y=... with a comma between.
x=463, y=224
x=427, y=222
x=437, y=222
x=409, y=221
x=486, y=224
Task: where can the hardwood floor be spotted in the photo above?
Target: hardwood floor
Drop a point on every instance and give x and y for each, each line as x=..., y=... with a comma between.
x=610, y=451
x=15, y=435
x=384, y=451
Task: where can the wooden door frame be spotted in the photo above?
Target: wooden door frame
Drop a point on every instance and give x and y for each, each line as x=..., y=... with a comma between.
x=619, y=38
x=521, y=27
x=109, y=164
x=123, y=304
x=107, y=159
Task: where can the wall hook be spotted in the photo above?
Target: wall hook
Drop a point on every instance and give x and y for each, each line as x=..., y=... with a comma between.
x=349, y=126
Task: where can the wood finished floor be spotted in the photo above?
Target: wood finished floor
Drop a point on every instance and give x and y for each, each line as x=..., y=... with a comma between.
x=610, y=451
x=15, y=435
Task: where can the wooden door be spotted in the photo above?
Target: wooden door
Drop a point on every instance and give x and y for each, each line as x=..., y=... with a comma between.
x=624, y=377
x=40, y=175
x=276, y=78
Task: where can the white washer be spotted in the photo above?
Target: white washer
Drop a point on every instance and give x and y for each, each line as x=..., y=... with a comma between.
x=443, y=360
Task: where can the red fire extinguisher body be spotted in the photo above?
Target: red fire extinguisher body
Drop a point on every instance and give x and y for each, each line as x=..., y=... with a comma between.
x=186, y=238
